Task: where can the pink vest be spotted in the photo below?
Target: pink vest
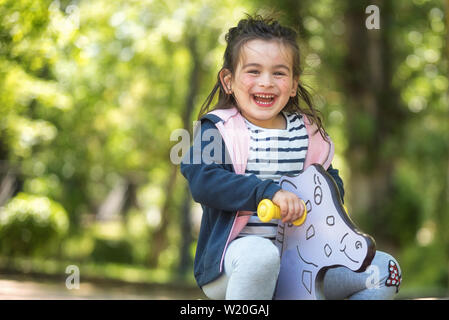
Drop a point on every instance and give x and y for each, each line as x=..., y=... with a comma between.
x=236, y=137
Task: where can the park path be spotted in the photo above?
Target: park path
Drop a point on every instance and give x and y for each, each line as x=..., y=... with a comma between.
x=20, y=287
x=26, y=287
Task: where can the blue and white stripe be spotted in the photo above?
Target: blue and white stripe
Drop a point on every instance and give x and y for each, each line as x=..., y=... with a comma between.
x=274, y=153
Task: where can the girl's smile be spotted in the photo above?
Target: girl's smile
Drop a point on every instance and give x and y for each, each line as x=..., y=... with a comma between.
x=264, y=100
x=263, y=82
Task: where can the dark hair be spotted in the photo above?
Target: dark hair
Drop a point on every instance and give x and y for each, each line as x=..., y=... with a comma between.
x=252, y=28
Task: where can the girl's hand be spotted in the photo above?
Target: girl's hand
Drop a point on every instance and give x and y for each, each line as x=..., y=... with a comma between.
x=292, y=207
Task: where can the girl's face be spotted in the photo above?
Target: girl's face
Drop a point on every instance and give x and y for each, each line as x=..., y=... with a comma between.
x=263, y=82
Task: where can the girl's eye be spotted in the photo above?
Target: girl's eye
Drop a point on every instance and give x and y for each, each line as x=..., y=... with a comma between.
x=279, y=73
x=253, y=71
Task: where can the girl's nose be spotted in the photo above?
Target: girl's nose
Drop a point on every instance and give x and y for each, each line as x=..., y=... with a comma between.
x=265, y=80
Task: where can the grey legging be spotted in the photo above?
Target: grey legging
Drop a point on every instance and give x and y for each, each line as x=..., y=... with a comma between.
x=252, y=265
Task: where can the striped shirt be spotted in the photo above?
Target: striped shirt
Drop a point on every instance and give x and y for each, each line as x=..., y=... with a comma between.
x=274, y=153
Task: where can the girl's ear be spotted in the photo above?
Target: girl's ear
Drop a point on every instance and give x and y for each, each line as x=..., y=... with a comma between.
x=225, y=78
x=294, y=86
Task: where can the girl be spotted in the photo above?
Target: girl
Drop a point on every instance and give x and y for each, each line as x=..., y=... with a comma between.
x=266, y=134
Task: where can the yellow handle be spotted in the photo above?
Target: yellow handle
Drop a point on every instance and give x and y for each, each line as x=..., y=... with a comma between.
x=267, y=210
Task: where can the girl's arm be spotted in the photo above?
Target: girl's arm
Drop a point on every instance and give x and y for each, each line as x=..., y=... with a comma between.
x=216, y=185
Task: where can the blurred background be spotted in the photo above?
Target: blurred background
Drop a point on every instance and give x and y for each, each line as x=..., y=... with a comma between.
x=90, y=92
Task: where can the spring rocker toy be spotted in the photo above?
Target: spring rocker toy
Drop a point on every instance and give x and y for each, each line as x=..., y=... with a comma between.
x=324, y=237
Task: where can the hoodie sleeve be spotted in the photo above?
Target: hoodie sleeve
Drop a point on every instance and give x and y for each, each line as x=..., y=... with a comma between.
x=212, y=180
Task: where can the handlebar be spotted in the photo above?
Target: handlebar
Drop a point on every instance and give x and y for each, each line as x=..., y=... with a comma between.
x=267, y=210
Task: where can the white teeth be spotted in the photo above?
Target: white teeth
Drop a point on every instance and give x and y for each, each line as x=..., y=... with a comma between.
x=266, y=96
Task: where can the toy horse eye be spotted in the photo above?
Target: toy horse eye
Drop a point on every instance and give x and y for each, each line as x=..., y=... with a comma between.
x=358, y=245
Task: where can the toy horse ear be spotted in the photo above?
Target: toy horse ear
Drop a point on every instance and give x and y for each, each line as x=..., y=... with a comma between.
x=225, y=79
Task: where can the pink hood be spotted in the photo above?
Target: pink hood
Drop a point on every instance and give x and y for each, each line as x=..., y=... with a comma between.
x=236, y=137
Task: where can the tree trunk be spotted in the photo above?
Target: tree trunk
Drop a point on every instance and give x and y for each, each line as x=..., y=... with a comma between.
x=7, y=185
x=374, y=116
x=291, y=13
x=160, y=237
x=185, y=261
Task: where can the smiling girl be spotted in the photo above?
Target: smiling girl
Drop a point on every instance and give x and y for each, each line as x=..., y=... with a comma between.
x=267, y=133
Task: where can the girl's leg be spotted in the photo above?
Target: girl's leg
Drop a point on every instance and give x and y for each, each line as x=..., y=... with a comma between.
x=378, y=282
x=251, y=268
x=216, y=290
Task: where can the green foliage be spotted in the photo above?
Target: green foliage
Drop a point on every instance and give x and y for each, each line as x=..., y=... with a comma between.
x=119, y=251
x=124, y=242
x=31, y=224
x=426, y=266
x=91, y=90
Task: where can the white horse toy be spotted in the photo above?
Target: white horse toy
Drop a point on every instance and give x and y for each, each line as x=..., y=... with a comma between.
x=326, y=238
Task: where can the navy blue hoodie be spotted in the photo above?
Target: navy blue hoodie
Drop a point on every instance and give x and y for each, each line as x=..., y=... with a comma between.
x=221, y=193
